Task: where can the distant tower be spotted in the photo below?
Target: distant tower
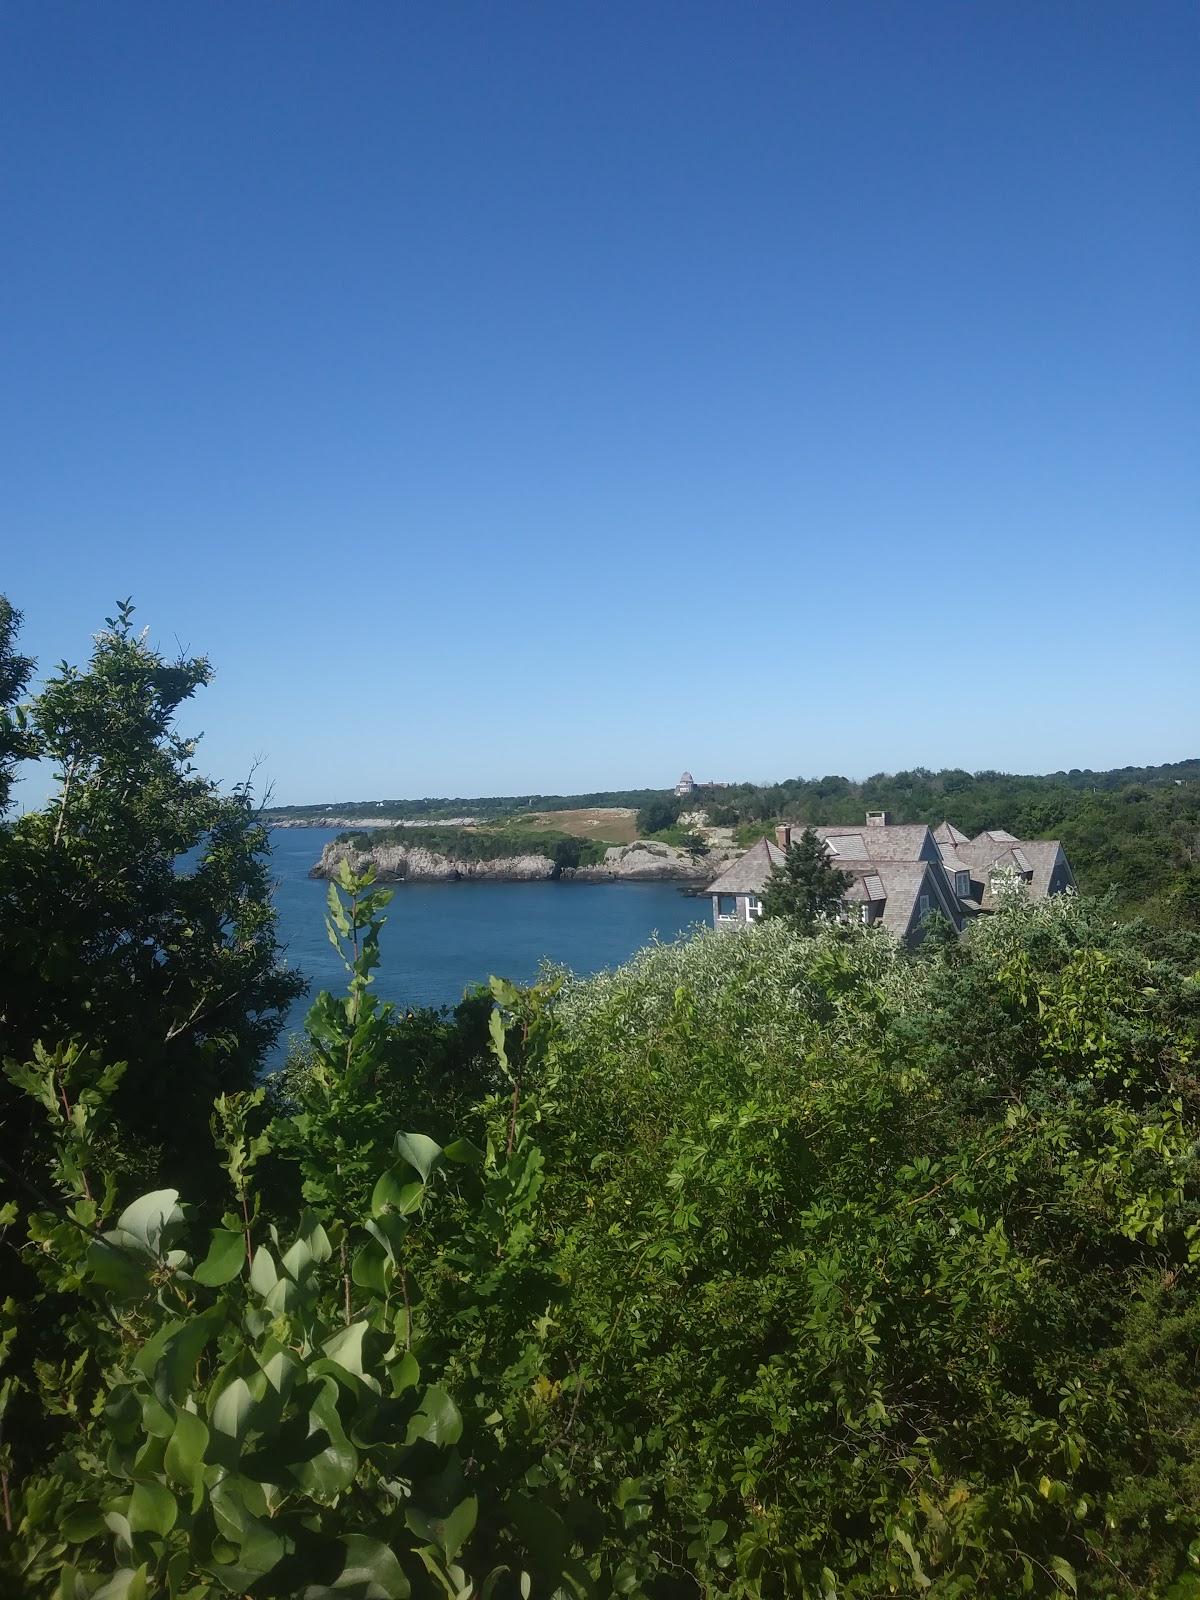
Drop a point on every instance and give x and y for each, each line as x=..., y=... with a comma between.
x=686, y=784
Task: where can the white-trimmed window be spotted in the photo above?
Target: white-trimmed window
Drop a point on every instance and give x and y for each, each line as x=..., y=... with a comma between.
x=962, y=884
x=727, y=905
x=753, y=908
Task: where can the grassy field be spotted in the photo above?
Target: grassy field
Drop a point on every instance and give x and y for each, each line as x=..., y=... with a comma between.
x=613, y=824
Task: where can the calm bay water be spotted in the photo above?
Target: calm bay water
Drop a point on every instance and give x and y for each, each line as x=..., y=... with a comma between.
x=439, y=938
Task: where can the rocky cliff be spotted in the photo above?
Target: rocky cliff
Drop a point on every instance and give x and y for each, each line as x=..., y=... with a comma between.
x=645, y=861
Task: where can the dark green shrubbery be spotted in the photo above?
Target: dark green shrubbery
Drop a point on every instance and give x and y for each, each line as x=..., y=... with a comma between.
x=768, y=1265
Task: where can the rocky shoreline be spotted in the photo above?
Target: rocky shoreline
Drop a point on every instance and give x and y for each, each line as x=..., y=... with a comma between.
x=644, y=861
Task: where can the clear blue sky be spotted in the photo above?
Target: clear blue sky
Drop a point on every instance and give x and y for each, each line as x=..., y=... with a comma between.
x=519, y=396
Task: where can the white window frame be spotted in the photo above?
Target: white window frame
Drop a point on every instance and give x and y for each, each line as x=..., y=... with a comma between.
x=753, y=907
x=727, y=916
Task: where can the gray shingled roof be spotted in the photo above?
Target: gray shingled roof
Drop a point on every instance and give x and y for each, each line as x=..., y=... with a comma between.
x=895, y=842
x=904, y=882
x=749, y=873
x=1042, y=855
x=947, y=833
x=951, y=860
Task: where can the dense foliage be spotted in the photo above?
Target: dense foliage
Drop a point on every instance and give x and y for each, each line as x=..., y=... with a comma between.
x=767, y=1265
x=659, y=814
x=103, y=937
x=806, y=888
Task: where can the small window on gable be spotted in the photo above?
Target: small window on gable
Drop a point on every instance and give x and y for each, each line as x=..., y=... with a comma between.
x=727, y=905
x=923, y=906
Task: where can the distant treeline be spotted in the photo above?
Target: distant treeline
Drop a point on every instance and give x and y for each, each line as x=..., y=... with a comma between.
x=483, y=806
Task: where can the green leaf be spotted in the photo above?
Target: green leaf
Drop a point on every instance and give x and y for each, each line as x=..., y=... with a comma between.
x=231, y=1413
x=152, y=1509
x=389, y=1228
x=405, y=1373
x=332, y=1469
x=175, y=1372
x=464, y=1153
x=1064, y=1570
x=367, y=1268
x=116, y=1267
x=148, y=1217
x=128, y=1583
x=225, y=1259
x=345, y=1348
x=371, y=1572
x=419, y=1151
x=449, y=1533
x=391, y=1192
x=185, y=1448
x=438, y=1419
x=313, y=1233
x=82, y=1523
x=263, y=1273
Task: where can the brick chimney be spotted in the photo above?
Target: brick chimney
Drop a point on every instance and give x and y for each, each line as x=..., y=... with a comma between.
x=783, y=835
x=878, y=819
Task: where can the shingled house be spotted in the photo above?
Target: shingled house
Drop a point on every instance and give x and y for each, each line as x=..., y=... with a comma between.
x=995, y=859
x=900, y=873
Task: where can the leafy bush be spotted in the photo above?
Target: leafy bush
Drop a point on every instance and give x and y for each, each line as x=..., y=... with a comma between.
x=656, y=816
x=254, y=1405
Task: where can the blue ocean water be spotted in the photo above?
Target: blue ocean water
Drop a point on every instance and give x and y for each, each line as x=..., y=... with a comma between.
x=440, y=938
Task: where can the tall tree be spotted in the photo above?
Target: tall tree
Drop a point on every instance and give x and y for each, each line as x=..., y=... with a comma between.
x=807, y=887
x=15, y=672
x=135, y=909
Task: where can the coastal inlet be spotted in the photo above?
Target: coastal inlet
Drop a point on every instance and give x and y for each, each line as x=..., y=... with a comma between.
x=443, y=935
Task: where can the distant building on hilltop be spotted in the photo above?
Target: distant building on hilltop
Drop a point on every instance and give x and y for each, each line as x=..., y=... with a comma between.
x=686, y=784
x=899, y=874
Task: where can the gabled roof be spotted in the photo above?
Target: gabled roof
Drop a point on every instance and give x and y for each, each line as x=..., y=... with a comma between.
x=905, y=841
x=867, y=882
x=749, y=873
x=905, y=882
x=946, y=833
x=951, y=860
x=1042, y=858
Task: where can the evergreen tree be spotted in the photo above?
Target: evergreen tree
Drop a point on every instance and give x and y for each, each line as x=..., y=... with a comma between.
x=135, y=908
x=15, y=671
x=807, y=888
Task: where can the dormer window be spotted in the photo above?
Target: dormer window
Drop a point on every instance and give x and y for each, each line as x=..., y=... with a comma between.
x=962, y=884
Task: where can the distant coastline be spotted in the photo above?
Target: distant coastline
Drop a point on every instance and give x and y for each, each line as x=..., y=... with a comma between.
x=358, y=823
x=644, y=861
